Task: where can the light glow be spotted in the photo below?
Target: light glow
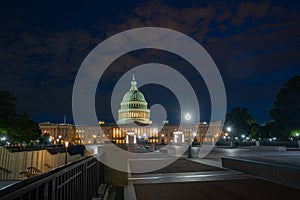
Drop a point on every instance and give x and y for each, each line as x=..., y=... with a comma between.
x=66, y=144
x=187, y=116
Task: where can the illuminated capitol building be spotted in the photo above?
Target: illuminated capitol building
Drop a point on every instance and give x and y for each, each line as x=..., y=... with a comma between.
x=134, y=126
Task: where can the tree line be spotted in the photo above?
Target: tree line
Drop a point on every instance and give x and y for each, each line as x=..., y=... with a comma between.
x=285, y=115
x=15, y=127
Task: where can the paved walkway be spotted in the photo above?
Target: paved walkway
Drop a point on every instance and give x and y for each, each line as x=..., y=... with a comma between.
x=180, y=165
x=287, y=158
x=204, y=179
x=188, y=177
x=252, y=189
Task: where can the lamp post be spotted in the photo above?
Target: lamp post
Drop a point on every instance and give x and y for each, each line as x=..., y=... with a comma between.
x=144, y=137
x=3, y=139
x=155, y=139
x=188, y=117
x=95, y=139
x=228, y=129
x=194, y=139
x=227, y=136
x=66, y=154
x=59, y=139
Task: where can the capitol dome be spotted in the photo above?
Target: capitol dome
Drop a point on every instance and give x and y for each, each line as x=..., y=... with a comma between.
x=134, y=107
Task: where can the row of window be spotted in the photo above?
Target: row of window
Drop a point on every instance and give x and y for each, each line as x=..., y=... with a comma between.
x=134, y=115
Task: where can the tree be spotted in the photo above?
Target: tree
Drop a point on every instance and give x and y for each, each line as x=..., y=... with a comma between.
x=286, y=109
x=262, y=131
x=25, y=129
x=44, y=139
x=240, y=121
x=17, y=127
x=256, y=131
x=7, y=108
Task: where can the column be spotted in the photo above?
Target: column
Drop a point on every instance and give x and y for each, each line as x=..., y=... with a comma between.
x=134, y=139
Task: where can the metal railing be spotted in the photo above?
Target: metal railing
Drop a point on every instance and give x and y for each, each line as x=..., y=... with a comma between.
x=77, y=180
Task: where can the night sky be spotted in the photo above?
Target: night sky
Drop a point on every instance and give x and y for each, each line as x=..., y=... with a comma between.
x=255, y=45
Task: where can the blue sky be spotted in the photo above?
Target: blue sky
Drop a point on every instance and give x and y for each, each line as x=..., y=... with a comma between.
x=255, y=45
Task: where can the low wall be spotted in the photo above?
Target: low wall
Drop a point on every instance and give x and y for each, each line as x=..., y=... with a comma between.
x=269, y=148
x=13, y=163
x=282, y=174
x=287, y=144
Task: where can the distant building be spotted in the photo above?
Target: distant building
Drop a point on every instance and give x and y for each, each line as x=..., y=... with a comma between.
x=164, y=134
x=133, y=127
x=59, y=132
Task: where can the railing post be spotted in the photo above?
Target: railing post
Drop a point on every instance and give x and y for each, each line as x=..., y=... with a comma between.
x=54, y=189
x=84, y=180
x=46, y=191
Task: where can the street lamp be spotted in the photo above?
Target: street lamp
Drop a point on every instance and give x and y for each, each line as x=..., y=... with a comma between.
x=228, y=129
x=194, y=139
x=188, y=117
x=3, y=139
x=95, y=139
x=162, y=139
x=59, y=139
x=66, y=154
x=155, y=130
x=144, y=137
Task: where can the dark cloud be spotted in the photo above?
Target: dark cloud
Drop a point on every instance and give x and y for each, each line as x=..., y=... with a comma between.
x=250, y=11
x=42, y=46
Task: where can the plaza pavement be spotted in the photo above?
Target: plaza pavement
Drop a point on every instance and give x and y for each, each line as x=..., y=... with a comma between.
x=206, y=179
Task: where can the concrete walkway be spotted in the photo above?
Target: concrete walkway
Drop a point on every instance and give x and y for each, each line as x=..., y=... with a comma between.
x=188, y=177
x=203, y=179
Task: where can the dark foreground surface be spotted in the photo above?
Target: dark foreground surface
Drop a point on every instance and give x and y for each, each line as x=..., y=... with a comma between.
x=206, y=179
x=226, y=189
x=181, y=165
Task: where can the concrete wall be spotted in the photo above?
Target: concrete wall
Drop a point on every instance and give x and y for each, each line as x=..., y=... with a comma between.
x=12, y=163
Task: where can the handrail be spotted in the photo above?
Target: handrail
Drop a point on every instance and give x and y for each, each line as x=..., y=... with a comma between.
x=56, y=183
